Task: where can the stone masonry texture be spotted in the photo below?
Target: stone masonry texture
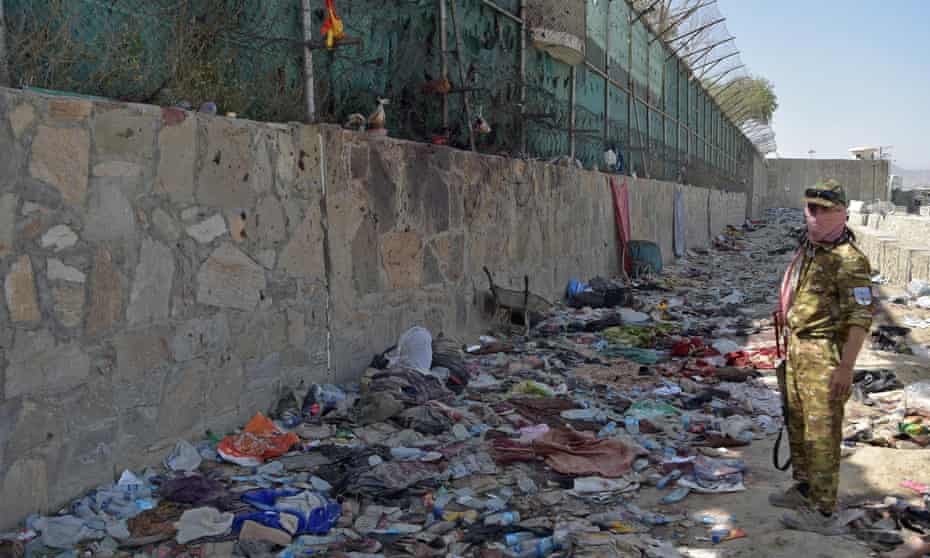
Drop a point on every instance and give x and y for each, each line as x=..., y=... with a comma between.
x=167, y=272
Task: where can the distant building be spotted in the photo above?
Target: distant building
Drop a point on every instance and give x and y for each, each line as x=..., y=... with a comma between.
x=866, y=153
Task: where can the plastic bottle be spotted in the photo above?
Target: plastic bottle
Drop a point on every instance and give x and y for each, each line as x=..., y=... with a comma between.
x=718, y=534
x=407, y=454
x=669, y=478
x=632, y=425
x=440, y=503
x=608, y=430
x=513, y=539
x=536, y=548
x=502, y=518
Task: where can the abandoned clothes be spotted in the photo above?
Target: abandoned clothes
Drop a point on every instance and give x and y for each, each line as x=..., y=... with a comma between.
x=199, y=523
x=156, y=521
x=377, y=407
x=543, y=410
x=572, y=453
x=409, y=386
x=395, y=476
x=197, y=490
x=425, y=420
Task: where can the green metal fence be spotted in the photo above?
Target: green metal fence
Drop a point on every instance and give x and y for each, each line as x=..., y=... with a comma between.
x=630, y=94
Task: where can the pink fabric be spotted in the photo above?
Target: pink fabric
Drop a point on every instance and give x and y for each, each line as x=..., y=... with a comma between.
x=621, y=195
x=826, y=226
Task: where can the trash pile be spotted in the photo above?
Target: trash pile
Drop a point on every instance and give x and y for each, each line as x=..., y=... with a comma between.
x=513, y=446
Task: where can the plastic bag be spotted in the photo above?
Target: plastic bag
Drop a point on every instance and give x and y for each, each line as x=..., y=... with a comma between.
x=651, y=410
x=259, y=441
x=917, y=397
x=414, y=350
x=316, y=514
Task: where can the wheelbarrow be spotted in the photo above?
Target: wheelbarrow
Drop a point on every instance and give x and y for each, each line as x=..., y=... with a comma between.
x=523, y=307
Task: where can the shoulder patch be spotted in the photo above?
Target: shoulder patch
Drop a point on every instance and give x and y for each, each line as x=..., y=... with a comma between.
x=863, y=295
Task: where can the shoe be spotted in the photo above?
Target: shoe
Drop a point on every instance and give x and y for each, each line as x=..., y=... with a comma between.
x=815, y=522
x=791, y=499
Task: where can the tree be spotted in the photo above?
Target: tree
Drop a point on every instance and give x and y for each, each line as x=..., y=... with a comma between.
x=747, y=98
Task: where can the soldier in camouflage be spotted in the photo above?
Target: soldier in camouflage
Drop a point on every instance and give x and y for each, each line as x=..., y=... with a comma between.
x=827, y=305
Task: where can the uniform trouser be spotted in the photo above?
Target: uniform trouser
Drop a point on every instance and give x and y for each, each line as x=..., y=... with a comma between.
x=815, y=423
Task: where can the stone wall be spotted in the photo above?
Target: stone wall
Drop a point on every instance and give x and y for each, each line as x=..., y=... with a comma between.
x=788, y=178
x=897, y=245
x=167, y=273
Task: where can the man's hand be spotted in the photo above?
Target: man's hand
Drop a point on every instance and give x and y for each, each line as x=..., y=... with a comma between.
x=841, y=383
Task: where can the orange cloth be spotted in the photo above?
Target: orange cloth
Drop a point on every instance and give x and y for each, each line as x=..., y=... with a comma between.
x=259, y=441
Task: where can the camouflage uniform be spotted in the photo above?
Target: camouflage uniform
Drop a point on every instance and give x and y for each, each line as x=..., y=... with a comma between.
x=832, y=292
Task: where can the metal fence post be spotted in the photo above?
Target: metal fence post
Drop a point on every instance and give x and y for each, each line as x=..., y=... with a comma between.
x=4, y=66
x=309, y=86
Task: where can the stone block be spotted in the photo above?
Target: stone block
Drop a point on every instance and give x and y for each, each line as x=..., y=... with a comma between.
x=267, y=222
x=106, y=294
x=230, y=279
x=117, y=169
x=122, y=133
x=58, y=271
x=383, y=185
x=199, y=337
x=165, y=225
x=20, y=289
x=24, y=492
x=60, y=157
x=151, y=288
x=267, y=258
x=427, y=194
x=138, y=352
x=303, y=255
x=36, y=422
x=309, y=161
x=177, y=146
x=259, y=396
x=139, y=423
x=296, y=329
x=286, y=163
x=21, y=118
x=59, y=237
x=90, y=404
x=85, y=461
x=69, y=110
x=225, y=166
x=38, y=364
x=401, y=254
x=224, y=386
x=266, y=368
x=143, y=392
x=366, y=271
x=69, y=304
x=110, y=215
x=261, y=174
x=182, y=400
x=208, y=230
x=7, y=223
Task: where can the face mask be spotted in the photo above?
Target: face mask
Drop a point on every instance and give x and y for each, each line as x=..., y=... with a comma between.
x=825, y=226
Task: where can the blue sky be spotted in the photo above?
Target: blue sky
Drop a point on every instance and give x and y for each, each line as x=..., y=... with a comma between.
x=847, y=73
